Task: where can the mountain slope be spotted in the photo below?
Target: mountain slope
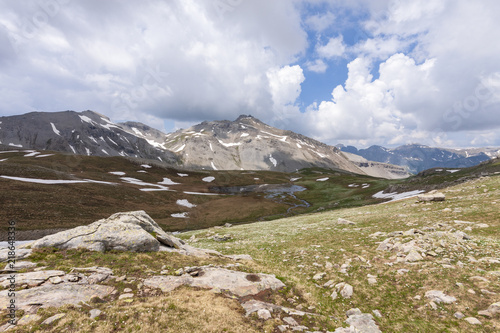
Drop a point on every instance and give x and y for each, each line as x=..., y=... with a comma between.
x=249, y=144
x=418, y=157
x=83, y=133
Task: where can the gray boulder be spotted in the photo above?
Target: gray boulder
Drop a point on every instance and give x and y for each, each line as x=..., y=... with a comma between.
x=55, y=295
x=130, y=231
x=431, y=196
x=236, y=283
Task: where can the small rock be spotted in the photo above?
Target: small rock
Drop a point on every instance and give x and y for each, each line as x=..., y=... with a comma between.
x=290, y=321
x=413, y=255
x=439, y=297
x=485, y=313
x=28, y=318
x=94, y=313
x=319, y=276
x=346, y=291
x=344, y=221
x=121, y=278
x=283, y=328
x=53, y=319
x=334, y=295
x=459, y=315
x=433, y=305
x=494, y=308
x=127, y=290
x=431, y=196
x=124, y=296
x=264, y=314
x=55, y=280
x=328, y=284
x=377, y=313
x=472, y=321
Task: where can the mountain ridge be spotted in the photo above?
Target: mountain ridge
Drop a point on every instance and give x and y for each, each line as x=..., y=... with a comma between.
x=418, y=157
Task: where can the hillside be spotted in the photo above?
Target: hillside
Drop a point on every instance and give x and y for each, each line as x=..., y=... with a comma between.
x=34, y=182
x=401, y=266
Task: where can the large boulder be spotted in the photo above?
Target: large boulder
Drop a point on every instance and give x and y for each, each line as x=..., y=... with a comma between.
x=55, y=295
x=236, y=283
x=431, y=196
x=130, y=231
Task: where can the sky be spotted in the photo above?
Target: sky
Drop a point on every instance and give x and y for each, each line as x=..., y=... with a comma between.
x=357, y=72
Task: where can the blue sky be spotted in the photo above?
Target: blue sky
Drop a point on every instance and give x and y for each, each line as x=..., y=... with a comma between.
x=358, y=72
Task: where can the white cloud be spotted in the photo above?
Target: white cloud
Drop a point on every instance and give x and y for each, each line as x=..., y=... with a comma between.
x=377, y=109
x=317, y=66
x=320, y=22
x=285, y=84
x=334, y=48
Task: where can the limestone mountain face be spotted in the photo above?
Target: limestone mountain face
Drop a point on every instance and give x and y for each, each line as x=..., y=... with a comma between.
x=249, y=144
x=83, y=133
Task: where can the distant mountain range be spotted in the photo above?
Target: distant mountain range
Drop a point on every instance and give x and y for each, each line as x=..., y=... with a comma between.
x=243, y=144
x=417, y=157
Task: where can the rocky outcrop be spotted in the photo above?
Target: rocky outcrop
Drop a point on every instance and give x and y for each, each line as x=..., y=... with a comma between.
x=236, y=283
x=431, y=196
x=51, y=295
x=130, y=231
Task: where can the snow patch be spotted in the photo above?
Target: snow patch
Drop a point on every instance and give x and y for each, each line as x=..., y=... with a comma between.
x=86, y=119
x=117, y=173
x=185, y=203
x=208, y=179
x=32, y=154
x=212, y=149
x=273, y=160
x=452, y=171
x=181, y=148
x=231, y=144
x=199, y=193
x=180, y=215
x=243, y=135
x=146, y=166
x=14, y=145
x=55, y=181
x=44, y=155
x=105, y=152
x=168, y=181
x=396, y=196
x=213, y=165
x=295, y=179
x=322, y=179
x=55, y=129
x=183, y=175
x=73, y=149
x=112, y=141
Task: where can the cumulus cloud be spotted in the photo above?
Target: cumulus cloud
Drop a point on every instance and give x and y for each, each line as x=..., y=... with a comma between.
x=418, y=71
x=334, y=48
x=285, y=84
x=317, y=66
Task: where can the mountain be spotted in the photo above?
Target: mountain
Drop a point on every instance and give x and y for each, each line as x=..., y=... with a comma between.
x=249, y=144
x=243, y=144
x=82, y=133
x=417, y=157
